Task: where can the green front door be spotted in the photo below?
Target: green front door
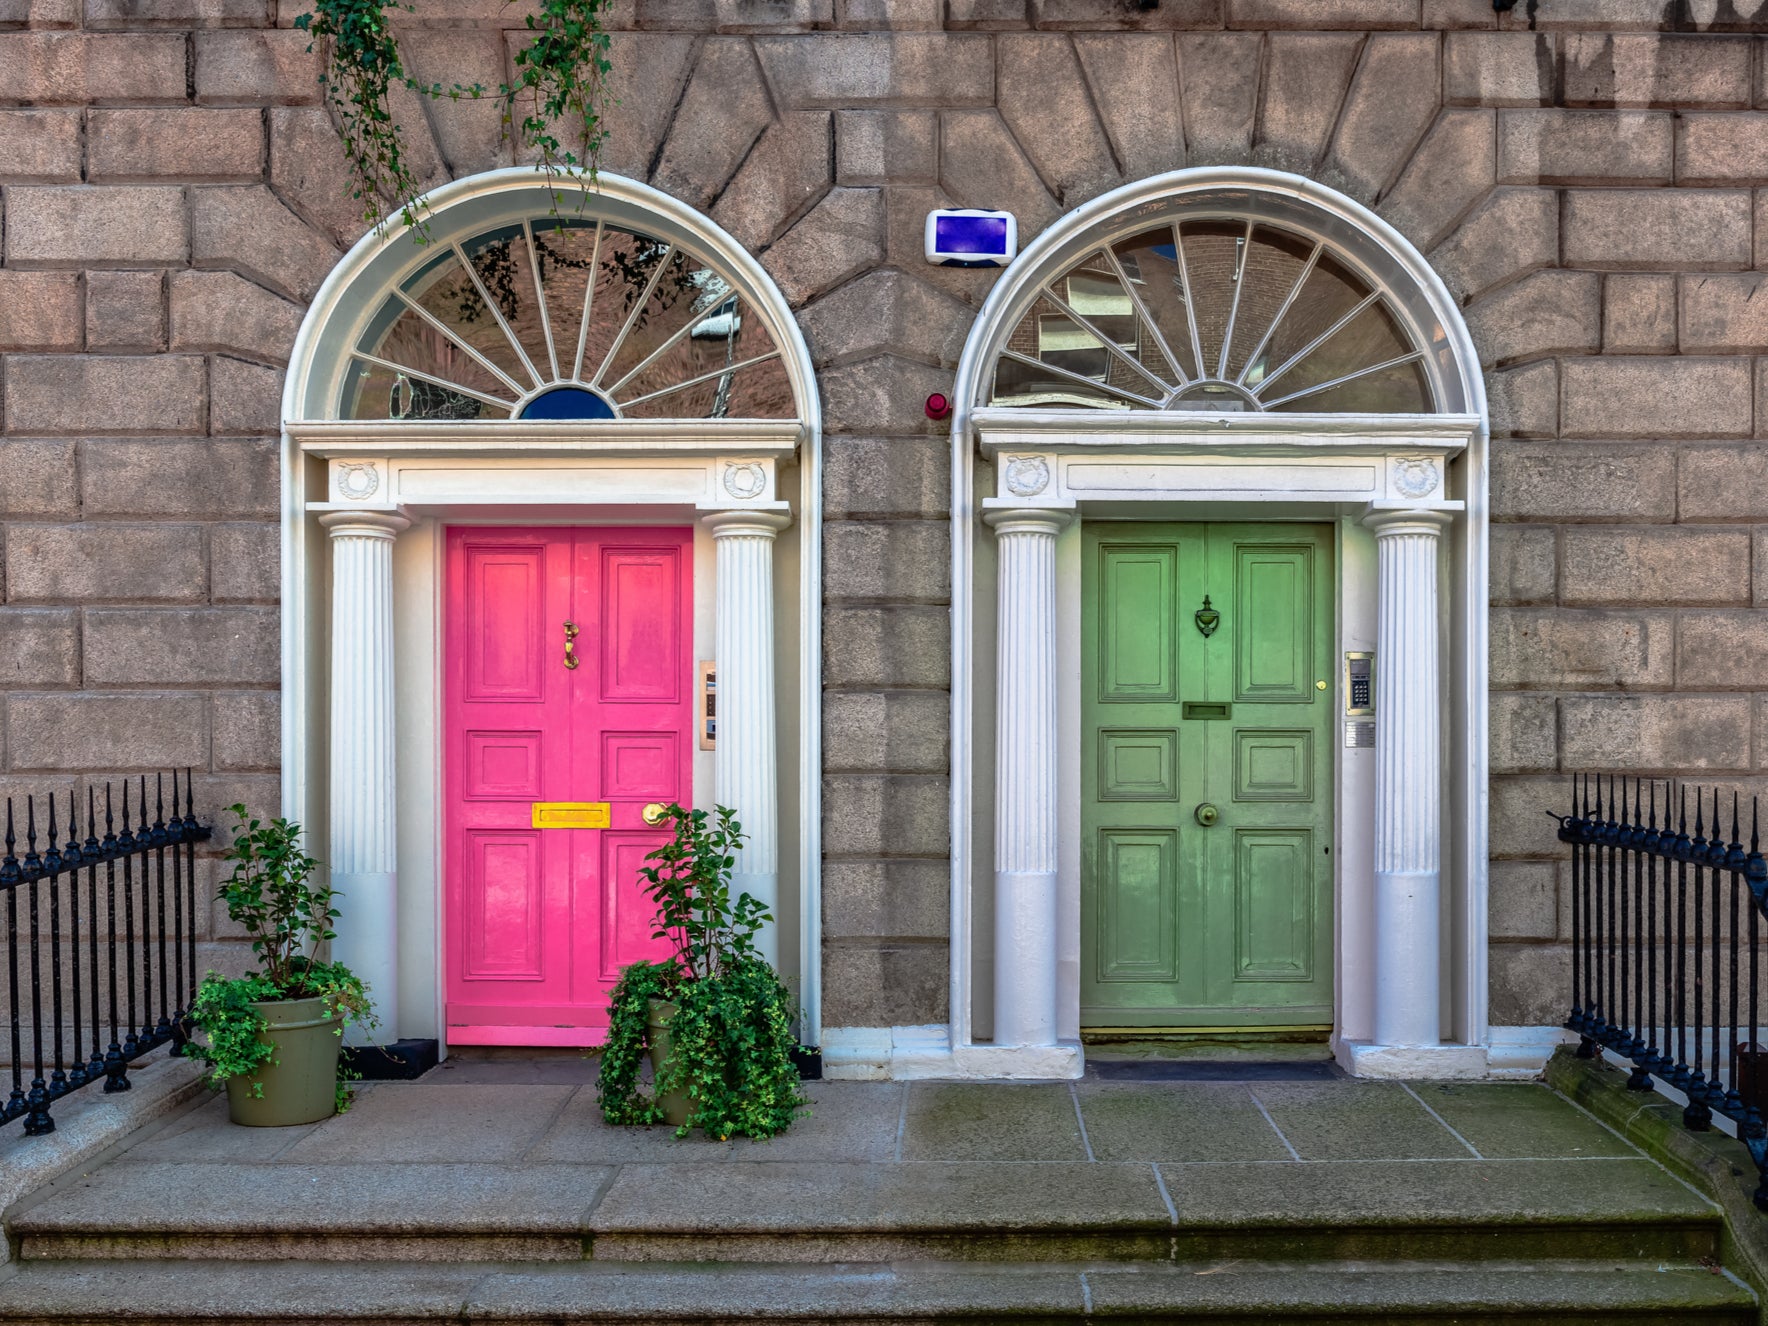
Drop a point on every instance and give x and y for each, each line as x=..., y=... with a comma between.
x=1186, y=923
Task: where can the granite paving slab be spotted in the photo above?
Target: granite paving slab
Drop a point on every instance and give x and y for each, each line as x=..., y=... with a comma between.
x=459, y=1125
x=1353, y=1120
x=219, y=1197
x=793, y=1211
x=991, y=1121
x=206, y=1133
x=1410, y=1193
x=1178, y=1122
x=1506, y=1119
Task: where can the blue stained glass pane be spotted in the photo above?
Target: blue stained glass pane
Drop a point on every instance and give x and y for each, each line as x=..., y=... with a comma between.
x=568, y=403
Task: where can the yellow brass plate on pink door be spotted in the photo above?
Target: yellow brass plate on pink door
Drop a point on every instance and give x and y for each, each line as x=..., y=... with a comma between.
x=571, y=815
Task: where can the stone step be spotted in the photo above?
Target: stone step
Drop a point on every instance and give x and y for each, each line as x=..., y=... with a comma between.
x=737, y=1211
x=394, y=1294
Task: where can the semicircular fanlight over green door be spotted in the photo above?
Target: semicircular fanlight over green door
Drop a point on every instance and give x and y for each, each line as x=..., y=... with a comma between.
x=1206, y=776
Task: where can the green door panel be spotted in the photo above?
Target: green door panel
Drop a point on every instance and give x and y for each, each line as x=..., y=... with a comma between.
x=1184, y=925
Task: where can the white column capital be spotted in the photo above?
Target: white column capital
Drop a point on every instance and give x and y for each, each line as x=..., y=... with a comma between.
x=749, y=523
x=1389, y=520
x=380, y=524
x=1051, y=520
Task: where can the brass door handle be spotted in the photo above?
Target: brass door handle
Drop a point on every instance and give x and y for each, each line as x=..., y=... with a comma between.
x=1207, y=814
x=654, y=812
x=570, y=645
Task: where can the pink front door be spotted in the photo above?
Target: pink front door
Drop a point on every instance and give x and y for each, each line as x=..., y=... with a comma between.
x=539, y=921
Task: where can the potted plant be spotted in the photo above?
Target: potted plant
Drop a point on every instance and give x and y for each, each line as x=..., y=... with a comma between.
x=713, y=1017
x=272, y=1036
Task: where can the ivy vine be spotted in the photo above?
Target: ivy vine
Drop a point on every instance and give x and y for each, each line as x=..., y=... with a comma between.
x=554, y=108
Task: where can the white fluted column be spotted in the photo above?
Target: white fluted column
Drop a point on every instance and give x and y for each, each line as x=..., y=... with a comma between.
x=1408, y=779
x=1025, y=776
x=746, y=760
x=363, y=855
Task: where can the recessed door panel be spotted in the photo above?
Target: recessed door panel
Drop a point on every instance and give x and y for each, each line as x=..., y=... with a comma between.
x=1137, y=661
x=503, y=587
x=505, y=907
x=1273, y=765
x=1274, y=905
x=1274, y=646
x=1138, y=764
x=538, y=922
x=1138, y=899
x=642, y=625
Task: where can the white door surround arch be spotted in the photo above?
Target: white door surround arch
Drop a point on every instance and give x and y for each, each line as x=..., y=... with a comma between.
x=365, y=501
x=1407, y=493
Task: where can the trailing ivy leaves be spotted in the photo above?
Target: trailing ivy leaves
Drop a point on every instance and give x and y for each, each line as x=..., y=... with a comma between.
x=730, y=1036
x=362, y=69
x=560, y=88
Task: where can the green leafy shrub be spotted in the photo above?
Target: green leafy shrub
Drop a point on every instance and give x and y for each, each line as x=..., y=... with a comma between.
x=270, y=894
x=731, y=1036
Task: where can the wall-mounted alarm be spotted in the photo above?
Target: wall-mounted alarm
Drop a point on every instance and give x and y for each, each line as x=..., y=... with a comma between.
x=970, y=237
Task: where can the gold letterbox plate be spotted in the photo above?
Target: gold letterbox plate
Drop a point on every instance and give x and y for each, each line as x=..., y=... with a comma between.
x=571, y=814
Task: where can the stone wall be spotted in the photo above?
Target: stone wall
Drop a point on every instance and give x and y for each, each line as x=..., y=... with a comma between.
x=1580, y=171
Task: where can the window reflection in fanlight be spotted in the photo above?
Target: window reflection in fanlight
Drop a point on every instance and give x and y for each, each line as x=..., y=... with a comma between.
x=554, y=319
x=1216, y=315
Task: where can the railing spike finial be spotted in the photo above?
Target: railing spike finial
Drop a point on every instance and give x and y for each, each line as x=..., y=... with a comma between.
x=1755, y=823
x=1736, y=844
x=30, y=826
x=1651, y=821
x=189, y=801
x=110, y=836
x=11, y=841
x=1682, y=822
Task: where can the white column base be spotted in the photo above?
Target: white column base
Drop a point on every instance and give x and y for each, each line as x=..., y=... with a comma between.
x=367, y=924
x=1434, y=1063
x=900, y=1054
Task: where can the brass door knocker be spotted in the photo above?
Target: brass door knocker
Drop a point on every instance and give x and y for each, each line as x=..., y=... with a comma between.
x=570, y=645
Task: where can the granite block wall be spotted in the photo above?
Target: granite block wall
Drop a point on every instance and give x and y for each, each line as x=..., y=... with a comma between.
x=1585, y=174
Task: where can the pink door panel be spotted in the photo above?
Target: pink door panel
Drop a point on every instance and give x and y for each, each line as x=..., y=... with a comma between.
x=538, y=922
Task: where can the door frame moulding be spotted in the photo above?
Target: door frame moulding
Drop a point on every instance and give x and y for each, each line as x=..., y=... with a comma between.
x=491, y=471
x=1159, y=465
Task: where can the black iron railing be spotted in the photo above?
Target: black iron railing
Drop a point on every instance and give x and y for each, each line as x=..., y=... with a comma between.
x=100, y=937
x=1667, y=911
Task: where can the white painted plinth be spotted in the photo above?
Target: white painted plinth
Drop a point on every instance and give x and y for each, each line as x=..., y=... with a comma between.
x=746, y=759
x=363, y=852
x=1025, y=883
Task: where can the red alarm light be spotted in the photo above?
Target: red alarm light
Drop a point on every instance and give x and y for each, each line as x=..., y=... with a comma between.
x=939, y=406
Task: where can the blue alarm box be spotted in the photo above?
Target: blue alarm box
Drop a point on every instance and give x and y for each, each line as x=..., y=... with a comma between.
x=971, y=237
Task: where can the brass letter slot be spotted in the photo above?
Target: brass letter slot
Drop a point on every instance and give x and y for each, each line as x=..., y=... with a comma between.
x=1208, y=709
x=570, y=814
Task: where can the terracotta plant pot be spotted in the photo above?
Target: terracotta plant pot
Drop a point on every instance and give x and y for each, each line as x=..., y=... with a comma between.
x=300, y=1083
x=657, y=1019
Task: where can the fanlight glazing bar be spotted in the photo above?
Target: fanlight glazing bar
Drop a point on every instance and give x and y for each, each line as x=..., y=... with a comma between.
x=1344, y=378
x=473, y=354
x=1111, y=347
x=675, y=338
x=1146, y=319
x=595, y=257
x=638, y=307
x=1318, y=341
x=696, y=381
x=552, y=353
x=1190, y=303
x=496, y=312
x=1234, y=307
x=1301, y=279
x=1091, y=384
x=431, y=378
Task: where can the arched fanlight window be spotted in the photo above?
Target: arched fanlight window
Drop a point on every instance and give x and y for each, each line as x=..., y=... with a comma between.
x=1214, y=313
x=555, y=318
